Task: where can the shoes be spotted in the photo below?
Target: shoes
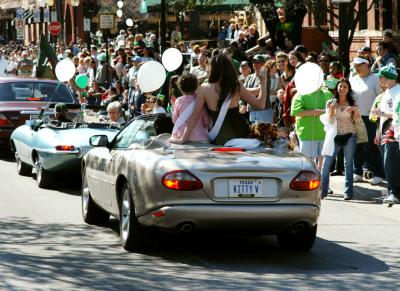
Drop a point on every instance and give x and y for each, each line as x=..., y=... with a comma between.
x=337, y=173
x=347, y=197
x=330, y=191
x=375, y=180
x=391, y=200
x=357, y=178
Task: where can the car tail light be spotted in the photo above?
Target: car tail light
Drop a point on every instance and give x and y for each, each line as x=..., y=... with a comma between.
x=65, y=148
x=4, y=120
x=228, y=149
x=305, y=181
x=181, y=180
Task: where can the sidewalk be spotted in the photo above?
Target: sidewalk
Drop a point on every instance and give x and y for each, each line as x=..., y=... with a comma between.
x=363, y=192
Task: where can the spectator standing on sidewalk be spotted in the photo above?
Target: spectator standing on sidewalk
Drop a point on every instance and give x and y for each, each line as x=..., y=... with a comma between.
x=309, y=128
x=343, y=109
x=366, y=87
x=386, y=135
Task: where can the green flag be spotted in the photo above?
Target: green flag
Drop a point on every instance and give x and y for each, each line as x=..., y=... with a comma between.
x=46, y=56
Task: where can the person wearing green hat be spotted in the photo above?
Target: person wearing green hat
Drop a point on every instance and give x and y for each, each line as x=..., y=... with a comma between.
x=386, y=134
x=60, y=110
x=104, y=73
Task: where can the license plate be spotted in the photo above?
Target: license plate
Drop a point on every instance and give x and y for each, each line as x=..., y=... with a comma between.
x=246, y=188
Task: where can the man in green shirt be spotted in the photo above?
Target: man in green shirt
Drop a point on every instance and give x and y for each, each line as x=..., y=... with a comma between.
x=309, y=128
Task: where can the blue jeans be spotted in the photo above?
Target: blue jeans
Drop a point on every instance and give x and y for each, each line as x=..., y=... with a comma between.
x=392, y=162
x=348, y=149
x=368, y=154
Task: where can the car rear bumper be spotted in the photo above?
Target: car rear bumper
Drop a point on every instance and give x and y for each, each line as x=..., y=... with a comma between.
x=54, y=161
x=266, y=218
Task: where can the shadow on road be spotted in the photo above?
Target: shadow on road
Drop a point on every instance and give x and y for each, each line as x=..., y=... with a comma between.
x=81, y=255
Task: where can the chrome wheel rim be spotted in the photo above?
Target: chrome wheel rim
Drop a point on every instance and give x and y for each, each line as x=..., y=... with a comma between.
x=18, y=164
x=85, y=196
x=125, y=215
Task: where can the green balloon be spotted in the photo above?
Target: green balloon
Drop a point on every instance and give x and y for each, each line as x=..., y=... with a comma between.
x=81, y=81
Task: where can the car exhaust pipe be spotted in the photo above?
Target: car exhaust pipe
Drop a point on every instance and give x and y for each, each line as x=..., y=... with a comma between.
x=186, y=227
x=298, y=227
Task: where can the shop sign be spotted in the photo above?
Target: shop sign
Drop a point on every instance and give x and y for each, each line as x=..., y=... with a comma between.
x=20, y=27
x=36, y=15
x=20, y=13
x=46, y=15
x=86, y=24
x=106, y=21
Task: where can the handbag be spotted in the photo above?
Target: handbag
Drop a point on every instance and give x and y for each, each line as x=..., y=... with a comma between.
x=361, y=131
x=342, y=139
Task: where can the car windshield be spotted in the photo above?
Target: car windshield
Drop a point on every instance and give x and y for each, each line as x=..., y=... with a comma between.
x=35, y=91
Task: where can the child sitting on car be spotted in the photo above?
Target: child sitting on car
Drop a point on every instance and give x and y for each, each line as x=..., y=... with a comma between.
x=183, y=109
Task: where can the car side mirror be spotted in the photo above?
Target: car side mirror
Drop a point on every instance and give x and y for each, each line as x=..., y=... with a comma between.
x=99, y=141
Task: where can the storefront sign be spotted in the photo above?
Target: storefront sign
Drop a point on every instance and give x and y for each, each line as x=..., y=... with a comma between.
x=20, y=27
x=20, y=13
x=36, y=15
x=53, y=15
x=86, y=24
x=46, y=15
x=106, y=21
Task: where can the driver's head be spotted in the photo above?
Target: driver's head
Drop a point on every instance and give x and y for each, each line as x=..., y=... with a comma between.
x=60, y=111
x=114, y=111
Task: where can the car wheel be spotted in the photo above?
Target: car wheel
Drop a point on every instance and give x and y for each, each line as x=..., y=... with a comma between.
x=91, y=213
x=134, y=236
x=43, y=177
x=302, y=241
x=23, y=169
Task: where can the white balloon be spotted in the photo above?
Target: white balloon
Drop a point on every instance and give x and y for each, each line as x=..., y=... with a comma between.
x=65, y=70
x=308, y=78
x=120, y=4
x=119, y=13
x=129, y=22
x=172, y=59
x=151, y=76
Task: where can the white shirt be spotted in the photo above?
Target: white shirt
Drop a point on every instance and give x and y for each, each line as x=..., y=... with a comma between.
x=158, y=109
x=365, y=91
x=393, y=95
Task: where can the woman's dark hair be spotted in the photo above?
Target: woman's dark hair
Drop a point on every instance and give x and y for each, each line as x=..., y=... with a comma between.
x=173, y=87
x=188, y=83
x=298, y=55
x=224, y=73
x=349, y=95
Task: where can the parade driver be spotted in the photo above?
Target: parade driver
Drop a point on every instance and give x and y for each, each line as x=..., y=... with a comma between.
x=60, y=111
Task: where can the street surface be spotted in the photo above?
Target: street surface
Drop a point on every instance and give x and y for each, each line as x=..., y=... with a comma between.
x=44, y=244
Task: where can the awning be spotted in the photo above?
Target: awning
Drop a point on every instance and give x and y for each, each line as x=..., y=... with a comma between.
x=27, y=15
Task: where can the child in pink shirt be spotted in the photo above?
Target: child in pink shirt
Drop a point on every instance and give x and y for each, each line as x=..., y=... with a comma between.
x=188, y=84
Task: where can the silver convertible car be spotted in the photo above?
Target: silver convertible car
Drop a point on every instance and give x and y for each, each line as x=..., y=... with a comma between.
x=149, y=185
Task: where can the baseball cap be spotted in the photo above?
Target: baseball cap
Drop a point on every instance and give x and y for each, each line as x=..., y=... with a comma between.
x=259, y=58
x=388, y=72
x=137, y=59
x=244, y=64
x=365, y=49
x=360, y=60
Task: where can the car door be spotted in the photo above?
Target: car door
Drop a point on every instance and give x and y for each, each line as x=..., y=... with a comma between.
x=107, y=167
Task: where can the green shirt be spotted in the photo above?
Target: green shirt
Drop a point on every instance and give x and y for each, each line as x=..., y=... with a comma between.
x=310, y=127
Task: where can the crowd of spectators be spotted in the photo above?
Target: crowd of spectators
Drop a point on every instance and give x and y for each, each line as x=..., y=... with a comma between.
x=261, y=88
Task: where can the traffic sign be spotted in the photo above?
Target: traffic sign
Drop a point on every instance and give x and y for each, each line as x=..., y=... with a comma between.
x=55, y=28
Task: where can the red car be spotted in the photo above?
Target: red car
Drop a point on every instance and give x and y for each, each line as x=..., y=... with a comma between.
x=18, y=95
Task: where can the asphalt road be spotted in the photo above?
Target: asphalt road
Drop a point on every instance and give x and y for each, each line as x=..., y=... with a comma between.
x=44, y=244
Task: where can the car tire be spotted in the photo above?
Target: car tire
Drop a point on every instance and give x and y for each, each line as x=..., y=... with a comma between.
x=301, y=241
x=134, y=237
x=91, y=212
x=43, y=177
x=23, y=169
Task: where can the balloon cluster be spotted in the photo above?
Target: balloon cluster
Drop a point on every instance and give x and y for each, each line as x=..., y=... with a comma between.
x=151, y=75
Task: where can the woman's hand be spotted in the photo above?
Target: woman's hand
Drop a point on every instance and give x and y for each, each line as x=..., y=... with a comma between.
x=351, y=109
x=263, y=74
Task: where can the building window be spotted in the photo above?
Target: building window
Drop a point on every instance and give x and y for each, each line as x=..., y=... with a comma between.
x=387, y=11
x=363, y=24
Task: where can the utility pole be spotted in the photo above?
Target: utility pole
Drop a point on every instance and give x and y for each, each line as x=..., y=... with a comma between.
x=163, y=25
